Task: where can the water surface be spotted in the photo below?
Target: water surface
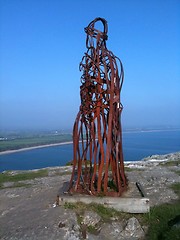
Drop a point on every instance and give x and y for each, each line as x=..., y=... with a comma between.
x=136, y=145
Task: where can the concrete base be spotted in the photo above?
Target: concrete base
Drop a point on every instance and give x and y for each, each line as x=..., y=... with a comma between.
x=134, y=200
x=129, y=205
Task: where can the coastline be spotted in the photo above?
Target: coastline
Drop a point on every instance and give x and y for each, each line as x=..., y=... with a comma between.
x=70, y=142
x=34, y=147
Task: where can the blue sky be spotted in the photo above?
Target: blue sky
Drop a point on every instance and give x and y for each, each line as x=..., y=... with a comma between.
x=43, y=41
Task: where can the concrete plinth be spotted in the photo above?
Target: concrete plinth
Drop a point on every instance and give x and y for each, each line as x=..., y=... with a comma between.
x=133, y=201
x=129, y=205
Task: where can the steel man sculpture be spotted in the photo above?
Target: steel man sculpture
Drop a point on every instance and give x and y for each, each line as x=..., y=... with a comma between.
x=98, y=167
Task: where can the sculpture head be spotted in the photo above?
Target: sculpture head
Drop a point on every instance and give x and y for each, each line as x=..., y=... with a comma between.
x=95, y=34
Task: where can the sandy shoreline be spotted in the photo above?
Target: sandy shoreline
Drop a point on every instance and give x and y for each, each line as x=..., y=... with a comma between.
x=34, y=147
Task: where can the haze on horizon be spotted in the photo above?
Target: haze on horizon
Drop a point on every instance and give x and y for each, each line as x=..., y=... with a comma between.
x=42, y=44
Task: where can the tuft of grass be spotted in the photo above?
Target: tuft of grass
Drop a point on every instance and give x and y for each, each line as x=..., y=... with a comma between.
x=158, y=222
x=170, y=163
x=104, y=212
x=8, y=177
x=70, y=163
x=93, y=229
x=176, y=188
x=128, y=169
x=63, y=173
x=177, y=172
x=69, y=206
x=19, y=184
x=79, y=207
x=112, y=185
x=160, y=217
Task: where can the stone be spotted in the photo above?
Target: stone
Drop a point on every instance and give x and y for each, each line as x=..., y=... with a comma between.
x=112, y=231
x=8, y=184
x=91, y=218
x=133, y=230
x=61, y=225
x=68, y=226
x=71, y=235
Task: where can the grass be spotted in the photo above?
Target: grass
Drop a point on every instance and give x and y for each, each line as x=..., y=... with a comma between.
x=128, y=169
x=160, y=217
x=18, y=185
x=93, y=229
x=177, y=172
x=70, y=163
x=171, y=163
x=158, y=222
x=24, y=142
x=63, y=173
x=9, y=177
x=176, y=188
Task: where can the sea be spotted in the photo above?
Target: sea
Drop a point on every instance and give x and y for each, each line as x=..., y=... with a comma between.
x=136, y=146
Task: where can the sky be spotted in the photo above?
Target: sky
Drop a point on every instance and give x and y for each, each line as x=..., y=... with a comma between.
x=43, y=41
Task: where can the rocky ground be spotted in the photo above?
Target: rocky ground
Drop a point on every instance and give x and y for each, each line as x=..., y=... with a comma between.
x=30, y=213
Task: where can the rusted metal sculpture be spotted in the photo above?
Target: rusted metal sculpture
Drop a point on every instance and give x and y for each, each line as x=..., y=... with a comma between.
x=98, y=167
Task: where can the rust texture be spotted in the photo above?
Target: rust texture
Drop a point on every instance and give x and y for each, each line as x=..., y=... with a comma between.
x=98, y=167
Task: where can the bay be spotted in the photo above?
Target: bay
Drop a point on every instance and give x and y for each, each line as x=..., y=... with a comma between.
x=136, y=145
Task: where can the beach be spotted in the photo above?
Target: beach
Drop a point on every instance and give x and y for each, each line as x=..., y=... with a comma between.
x=35, y=147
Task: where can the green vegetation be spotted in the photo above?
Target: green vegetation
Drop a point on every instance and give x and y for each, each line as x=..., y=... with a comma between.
x=105, y=213
x=93, y=229
x=177, y=172
x=171, y=163
x=63, y=173
x=159, y=219
x=16, y=178
x=70, y=163
x=18, y=185
x=128, y=169
x=176, y=188
x=87, y=162
x=24, y=142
